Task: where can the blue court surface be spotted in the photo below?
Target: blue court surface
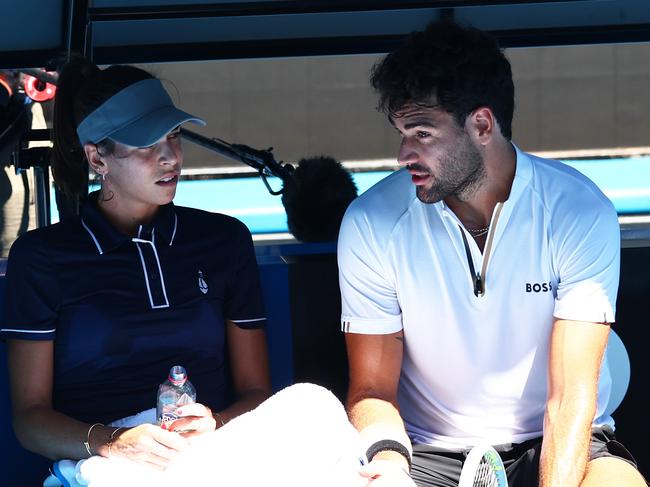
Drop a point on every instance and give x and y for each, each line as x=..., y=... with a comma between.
x=626, y=181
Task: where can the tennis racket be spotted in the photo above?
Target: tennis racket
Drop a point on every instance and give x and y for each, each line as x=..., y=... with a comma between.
x=483, y=467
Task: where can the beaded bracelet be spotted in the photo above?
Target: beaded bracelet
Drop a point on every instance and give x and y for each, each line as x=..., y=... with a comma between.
x=87, y=442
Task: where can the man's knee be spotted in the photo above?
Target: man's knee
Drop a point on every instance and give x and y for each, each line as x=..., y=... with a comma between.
x=612, y=472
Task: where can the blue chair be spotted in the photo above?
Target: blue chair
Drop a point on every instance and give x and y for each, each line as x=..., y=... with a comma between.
x=619, y=367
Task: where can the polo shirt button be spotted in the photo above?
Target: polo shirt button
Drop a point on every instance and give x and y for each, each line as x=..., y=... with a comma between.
x=153, y=277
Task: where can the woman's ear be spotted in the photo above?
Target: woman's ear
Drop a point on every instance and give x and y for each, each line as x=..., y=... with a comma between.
x=94, y=159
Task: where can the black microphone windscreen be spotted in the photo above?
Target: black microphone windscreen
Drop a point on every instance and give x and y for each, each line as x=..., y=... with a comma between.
x=316, y=197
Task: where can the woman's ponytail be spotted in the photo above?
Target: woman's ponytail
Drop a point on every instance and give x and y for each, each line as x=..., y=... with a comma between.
x=82, y=88
x=69, y=161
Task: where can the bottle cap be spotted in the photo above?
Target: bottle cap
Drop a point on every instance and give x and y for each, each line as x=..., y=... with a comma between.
x=177, y=375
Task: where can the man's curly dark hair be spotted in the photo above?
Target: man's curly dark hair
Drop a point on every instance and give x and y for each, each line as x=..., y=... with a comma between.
x=453, y=67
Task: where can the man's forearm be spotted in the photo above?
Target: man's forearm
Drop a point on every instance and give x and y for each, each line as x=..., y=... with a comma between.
x=565, y=449
x=378, y=419
x=365, y=411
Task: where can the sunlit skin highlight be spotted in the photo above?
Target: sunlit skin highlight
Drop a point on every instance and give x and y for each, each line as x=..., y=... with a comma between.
x=469, y=166
x=136, y=181
x=439, y=155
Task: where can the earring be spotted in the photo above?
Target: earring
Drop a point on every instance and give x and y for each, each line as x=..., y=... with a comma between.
x=103, y=176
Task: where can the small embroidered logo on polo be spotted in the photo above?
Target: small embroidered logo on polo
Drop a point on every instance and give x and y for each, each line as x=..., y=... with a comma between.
x=203, y=286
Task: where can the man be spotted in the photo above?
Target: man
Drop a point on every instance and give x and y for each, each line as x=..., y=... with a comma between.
x=478, y=286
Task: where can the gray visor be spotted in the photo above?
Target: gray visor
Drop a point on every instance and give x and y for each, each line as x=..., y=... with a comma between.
x=139, y=116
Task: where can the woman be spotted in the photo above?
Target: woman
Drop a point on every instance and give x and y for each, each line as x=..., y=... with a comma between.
x=99, y=307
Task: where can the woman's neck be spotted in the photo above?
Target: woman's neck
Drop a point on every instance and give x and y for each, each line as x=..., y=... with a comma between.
x=126, y=218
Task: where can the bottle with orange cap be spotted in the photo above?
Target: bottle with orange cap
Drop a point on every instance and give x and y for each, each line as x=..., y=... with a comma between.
x=175, y=392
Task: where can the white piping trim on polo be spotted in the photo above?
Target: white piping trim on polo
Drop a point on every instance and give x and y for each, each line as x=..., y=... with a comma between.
x=248, y=321
x=14, y=330
x=92, y=235
x=144, y=267
x=171, y=241
x=138, y=241
x=160, y=273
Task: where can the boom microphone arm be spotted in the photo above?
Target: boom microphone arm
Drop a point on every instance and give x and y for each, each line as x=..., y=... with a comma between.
x=315, y=194
x=260, y=160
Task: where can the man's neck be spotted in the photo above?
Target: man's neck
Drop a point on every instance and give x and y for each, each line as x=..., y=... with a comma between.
x=476, y=210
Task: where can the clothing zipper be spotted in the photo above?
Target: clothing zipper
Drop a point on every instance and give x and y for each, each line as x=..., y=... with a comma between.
x=478, y=279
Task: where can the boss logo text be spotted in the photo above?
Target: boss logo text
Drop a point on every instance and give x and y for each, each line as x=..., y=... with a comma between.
x=537, y=287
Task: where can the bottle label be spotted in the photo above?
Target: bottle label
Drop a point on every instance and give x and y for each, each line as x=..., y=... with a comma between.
x=167, y=418
x=168, y=406
x=184, y=399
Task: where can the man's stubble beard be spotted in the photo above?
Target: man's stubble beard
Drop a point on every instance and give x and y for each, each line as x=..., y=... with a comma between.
x=461, y=174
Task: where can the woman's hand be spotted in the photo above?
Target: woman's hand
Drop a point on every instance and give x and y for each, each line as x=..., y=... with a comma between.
x=149, y=444
x=195, y=419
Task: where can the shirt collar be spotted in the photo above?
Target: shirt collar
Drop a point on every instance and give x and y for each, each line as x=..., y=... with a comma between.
x=523, y=175
x=107, y=238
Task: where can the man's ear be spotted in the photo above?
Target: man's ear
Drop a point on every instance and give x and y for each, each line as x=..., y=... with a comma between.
x=482, y=124
x=94, y=159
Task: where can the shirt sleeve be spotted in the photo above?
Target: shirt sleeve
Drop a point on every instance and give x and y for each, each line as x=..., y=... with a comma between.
x=588, y=265
x=244, y=305
x=368, y=297
x=31, y=292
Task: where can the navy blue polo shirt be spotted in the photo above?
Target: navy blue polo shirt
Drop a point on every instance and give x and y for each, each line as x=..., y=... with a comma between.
x=122, y=310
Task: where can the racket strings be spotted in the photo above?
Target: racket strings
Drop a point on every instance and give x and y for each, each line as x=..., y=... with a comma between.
x=485, y=475
x=483, y=467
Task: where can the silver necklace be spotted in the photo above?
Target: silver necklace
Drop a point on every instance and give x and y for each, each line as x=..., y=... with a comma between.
x=479, y=232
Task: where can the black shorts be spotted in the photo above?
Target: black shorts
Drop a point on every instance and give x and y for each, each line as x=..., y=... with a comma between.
x=436, y=467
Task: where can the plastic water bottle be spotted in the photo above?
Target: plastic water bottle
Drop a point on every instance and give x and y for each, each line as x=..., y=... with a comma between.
x=175, y=392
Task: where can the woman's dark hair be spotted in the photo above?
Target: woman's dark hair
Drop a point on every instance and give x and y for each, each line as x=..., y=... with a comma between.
x=449, y=66
x=82, y=87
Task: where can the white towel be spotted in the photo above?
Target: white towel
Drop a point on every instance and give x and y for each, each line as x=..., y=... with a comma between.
x=300, y=436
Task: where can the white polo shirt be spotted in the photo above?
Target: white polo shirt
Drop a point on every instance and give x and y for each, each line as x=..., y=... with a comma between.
x=475, y=367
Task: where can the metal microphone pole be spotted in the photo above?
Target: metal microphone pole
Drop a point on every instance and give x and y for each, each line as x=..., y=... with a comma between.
x=261, y=160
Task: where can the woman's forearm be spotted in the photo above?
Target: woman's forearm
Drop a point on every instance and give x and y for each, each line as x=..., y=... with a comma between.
x=247, y=401
x=54, y=435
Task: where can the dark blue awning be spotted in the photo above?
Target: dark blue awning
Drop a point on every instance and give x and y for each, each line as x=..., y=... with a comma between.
x=34, y=32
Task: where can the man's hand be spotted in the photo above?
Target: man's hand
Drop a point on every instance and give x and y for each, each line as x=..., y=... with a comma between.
x=148, y=444
x=194, y=419
x=386, y=473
